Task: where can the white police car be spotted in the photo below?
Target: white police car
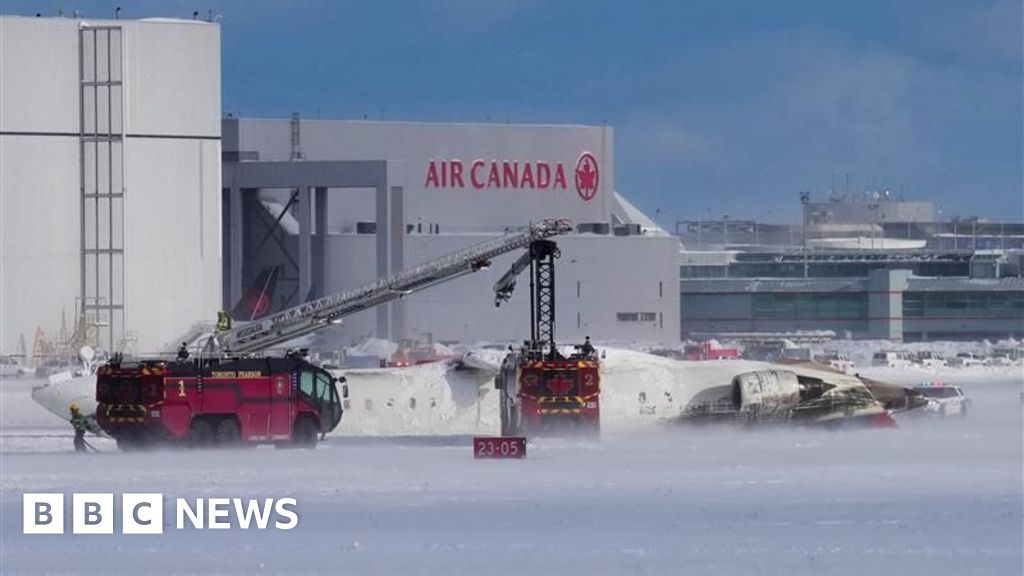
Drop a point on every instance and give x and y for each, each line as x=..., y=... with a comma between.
x=944, y=399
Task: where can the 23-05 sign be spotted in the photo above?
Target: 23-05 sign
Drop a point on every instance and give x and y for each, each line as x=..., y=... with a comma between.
x=499, y=447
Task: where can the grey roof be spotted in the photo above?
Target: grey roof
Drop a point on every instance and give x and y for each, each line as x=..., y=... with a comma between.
x=811, y=285
x=965, y=284
x=827, y=285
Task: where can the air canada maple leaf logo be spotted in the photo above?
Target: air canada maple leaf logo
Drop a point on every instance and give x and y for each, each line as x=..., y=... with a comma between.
x=588, y=176
x=560, y=384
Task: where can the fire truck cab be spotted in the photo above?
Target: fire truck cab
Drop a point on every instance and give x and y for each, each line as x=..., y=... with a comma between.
x=209, y=402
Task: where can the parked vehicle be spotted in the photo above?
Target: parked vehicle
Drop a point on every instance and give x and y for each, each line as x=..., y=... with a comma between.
x=796, y=354
x=930, y=359
x=892, y=359
x=710, y=350
x=1007, y=356
x=968, y=359
x=836, y=361
x=764, y=351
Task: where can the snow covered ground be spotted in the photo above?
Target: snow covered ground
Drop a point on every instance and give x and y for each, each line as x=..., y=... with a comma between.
x=937, y=497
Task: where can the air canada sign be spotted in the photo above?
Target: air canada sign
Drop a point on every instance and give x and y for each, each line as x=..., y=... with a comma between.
x=536, y=175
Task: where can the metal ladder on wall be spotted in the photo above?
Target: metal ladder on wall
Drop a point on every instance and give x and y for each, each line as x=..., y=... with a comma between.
x=101, y=183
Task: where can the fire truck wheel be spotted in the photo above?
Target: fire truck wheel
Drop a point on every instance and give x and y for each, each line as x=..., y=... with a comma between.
x=227, y=432
x=304, y=435
x=201, y=435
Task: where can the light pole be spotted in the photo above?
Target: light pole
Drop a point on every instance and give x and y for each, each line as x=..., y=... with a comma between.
x=874, y=220
x=725, y=231
x=805, y=198
x=700, y=222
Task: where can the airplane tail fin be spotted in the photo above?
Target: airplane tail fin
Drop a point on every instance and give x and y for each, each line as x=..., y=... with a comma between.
x=256, y=302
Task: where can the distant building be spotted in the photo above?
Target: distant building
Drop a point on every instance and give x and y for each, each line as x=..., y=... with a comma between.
x=902, y=276
x=890, y=304
x=869, y=209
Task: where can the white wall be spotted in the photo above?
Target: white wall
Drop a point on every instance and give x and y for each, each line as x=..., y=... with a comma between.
x=172, y=238
x=39, y=235
x=174, y=78
x=172, y=195
x=615, y=275
x=38, y=75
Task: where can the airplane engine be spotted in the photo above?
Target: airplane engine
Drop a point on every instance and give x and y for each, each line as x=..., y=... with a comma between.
x=765, y=393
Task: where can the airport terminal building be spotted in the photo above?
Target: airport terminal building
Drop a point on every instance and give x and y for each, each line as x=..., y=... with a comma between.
x=858, y=269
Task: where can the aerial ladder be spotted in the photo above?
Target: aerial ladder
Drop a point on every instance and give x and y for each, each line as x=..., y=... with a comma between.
x=315, y=315
x=542, y=390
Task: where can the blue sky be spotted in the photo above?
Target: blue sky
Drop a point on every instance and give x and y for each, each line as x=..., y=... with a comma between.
x=719, y=107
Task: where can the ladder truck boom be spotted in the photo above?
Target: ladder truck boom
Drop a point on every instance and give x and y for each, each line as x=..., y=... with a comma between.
x=540, y=259
x=505, y=285
x=318, y=314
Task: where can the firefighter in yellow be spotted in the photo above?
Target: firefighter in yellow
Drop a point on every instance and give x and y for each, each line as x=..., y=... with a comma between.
x=80, y=424
x=223, y=321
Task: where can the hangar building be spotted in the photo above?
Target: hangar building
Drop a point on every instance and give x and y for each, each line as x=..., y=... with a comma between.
x=109, y=179
x=334, y=204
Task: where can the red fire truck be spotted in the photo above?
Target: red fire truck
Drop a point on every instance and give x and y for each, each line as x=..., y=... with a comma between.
x=221, y=402
x=710, y=350
x=545, y=395
x=542, y=390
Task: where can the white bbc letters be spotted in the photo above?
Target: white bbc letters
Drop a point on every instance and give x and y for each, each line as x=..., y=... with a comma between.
x=194, y=516
x=42, y=513
x=92, y=513
x=219, y=508
x=291, y=515
x=142, y=514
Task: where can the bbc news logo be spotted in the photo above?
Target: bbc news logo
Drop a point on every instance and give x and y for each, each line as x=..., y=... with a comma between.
x=144, y=513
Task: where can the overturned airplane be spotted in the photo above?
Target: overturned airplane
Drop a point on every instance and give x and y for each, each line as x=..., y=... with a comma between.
x=639, y=391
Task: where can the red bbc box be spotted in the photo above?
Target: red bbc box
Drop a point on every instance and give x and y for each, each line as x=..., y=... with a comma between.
x=499, y=447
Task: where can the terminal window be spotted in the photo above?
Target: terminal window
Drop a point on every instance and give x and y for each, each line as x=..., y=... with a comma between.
x=964, y=304
x=810, y=306
x=636, y=316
